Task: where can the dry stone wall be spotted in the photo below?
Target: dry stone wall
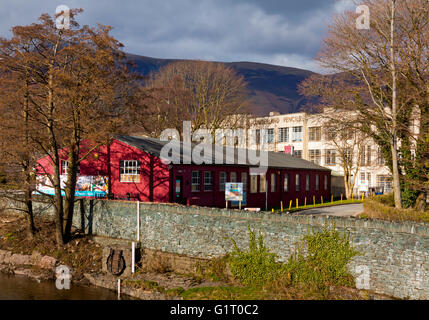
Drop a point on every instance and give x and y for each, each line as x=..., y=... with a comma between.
x=394, y=256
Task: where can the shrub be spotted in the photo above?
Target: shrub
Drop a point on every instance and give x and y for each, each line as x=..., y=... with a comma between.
x=257, y=265
x=321, y=259
x=409, y=197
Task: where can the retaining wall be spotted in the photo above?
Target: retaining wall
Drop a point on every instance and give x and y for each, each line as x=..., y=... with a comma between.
x=394, y=260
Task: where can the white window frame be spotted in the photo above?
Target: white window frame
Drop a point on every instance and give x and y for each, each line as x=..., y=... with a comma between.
x=129, y=171
x=286, y=183
x=222, y=180
x=196, y=186
x=297, y=182
x=284, y=134
x=297, y=134
x=208, y=181
x=273, y=182
x=253, y=183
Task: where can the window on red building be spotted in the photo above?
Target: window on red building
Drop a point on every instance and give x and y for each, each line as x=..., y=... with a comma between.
x=129, y=171
x=196, y=181
x=273, y=183
x=253, y=183
x=307, y=182
x=262, y=183
x=244, y=181
x=222, y=180
x=233, y=177
x=208, y=181
x=297, y=183
x=286, y=183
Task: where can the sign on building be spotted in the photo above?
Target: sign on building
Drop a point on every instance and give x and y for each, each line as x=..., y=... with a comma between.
x=233, y=191
x=289, y=150
x=86, y=186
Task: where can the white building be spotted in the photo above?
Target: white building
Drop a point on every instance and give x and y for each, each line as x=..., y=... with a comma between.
x=304, y=134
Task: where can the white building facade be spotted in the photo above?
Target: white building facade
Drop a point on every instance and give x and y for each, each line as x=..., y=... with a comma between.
x=303, y=135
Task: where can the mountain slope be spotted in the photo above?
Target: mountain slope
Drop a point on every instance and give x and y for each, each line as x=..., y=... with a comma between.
x=271, y=88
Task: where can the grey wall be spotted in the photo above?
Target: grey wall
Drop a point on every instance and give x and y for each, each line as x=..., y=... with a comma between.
x=394, y=260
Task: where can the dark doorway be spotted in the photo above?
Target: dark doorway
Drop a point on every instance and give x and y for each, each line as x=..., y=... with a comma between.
x=178, y=191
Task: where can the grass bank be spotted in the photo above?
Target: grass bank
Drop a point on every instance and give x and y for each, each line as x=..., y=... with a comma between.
x=382, y=207
x=82, y=254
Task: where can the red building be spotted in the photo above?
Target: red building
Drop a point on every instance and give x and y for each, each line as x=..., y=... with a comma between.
x=134, y=169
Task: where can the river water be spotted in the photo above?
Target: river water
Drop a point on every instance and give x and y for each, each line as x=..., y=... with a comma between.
x=23, y=288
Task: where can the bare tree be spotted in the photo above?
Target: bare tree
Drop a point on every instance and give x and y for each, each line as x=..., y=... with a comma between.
x=206, y=93
x=81, y=88
x=375, y=58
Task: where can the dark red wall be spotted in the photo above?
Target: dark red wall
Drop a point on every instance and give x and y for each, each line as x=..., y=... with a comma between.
x=216, y=198
x=157, y=180
x=154, y=175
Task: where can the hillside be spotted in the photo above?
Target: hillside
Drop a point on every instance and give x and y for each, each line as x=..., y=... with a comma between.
x=271, y=88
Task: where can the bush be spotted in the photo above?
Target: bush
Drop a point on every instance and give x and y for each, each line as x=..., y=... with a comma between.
x=257, y=265
x=409, y=197
x=321, y=259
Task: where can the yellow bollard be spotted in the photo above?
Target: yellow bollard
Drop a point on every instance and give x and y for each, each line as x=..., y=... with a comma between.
x=305, y=202
x=272, y=210
x=281, y=206
x=290, y=205
x=314, y=201
x=353, y=197
x=341, y=198
x=363, y=194
x=332, y=198
x=297, y=202
x=321, y=198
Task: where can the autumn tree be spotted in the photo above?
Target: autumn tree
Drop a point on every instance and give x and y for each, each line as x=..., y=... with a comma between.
x=387, y=61
x=205, y=93
x=16, y=149
x=81, y=90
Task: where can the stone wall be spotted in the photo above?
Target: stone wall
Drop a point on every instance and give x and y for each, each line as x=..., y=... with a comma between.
x=394, y=260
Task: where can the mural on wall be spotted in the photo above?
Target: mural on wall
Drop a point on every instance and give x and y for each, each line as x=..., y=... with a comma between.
x=86, y=186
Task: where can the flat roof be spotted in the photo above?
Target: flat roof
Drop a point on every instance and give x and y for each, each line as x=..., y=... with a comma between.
x=275, y=159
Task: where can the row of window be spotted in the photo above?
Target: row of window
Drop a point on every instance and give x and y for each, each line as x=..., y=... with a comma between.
x=263, y=184
x=365, y=159
x=296, y=135
x=314, y=134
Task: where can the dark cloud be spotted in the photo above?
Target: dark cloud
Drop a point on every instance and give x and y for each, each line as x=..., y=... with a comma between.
x=284, y=32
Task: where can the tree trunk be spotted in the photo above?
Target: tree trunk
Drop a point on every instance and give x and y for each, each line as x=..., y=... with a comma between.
x=29, y=207
x=394, y=142
x=58, y=201
x=70, y=191
x=396, y=179
x=27, y=167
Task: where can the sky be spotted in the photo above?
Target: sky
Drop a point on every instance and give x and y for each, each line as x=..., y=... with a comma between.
x=281, y=32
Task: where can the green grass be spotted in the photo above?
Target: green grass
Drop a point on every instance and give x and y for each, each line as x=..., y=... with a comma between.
x=311, y=206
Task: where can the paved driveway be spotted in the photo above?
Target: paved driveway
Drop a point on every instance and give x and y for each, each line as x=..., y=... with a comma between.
x=346, y=210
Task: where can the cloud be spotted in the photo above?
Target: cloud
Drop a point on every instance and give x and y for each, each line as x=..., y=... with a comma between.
x=271, y=31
